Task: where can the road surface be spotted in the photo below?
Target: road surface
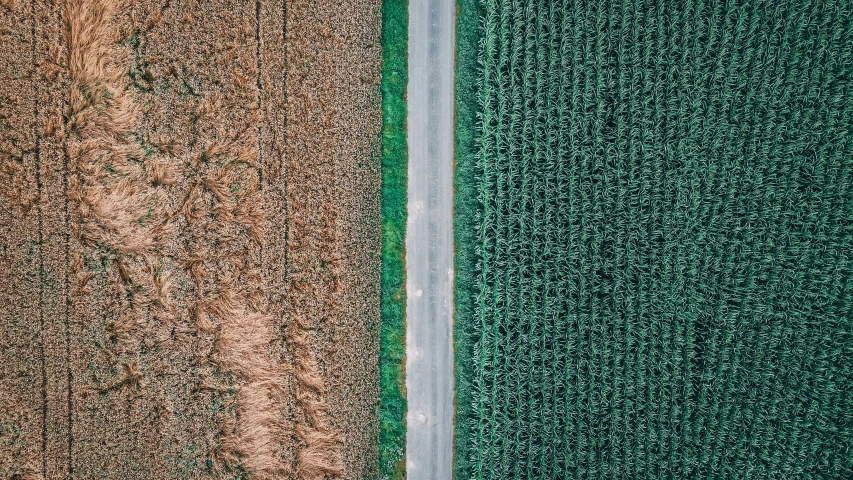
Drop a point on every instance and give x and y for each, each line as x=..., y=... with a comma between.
x=429, y=241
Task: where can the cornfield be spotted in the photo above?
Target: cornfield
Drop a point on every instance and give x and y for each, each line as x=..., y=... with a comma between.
x=654, y=228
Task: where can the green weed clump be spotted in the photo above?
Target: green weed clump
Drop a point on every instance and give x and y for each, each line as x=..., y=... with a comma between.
x=654, y=239
x=392, y=402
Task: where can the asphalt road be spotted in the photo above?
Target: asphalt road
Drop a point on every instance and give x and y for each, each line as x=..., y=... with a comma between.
x=429, y=241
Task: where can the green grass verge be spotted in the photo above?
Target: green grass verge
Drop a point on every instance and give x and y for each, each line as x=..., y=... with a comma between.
x=466, y=208
x=392, y=344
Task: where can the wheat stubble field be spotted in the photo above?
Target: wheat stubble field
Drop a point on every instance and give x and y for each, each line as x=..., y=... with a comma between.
x=189, y=232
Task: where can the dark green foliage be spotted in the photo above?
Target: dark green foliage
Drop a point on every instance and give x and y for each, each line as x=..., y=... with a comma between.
x=392, y=403
x=465, y=209
x=654, y=239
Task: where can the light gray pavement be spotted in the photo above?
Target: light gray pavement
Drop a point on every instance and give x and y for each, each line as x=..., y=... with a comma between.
x=429, y=241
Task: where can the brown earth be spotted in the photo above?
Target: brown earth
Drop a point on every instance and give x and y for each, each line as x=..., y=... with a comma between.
x=189, y=231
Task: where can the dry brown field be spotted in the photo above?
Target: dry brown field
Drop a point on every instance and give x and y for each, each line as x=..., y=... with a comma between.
x=189, y=239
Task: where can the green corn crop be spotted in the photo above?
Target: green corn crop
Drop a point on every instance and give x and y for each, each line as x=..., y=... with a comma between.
x=654, y=233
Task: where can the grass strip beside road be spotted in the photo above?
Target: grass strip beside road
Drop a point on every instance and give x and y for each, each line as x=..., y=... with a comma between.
x=392, y=399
